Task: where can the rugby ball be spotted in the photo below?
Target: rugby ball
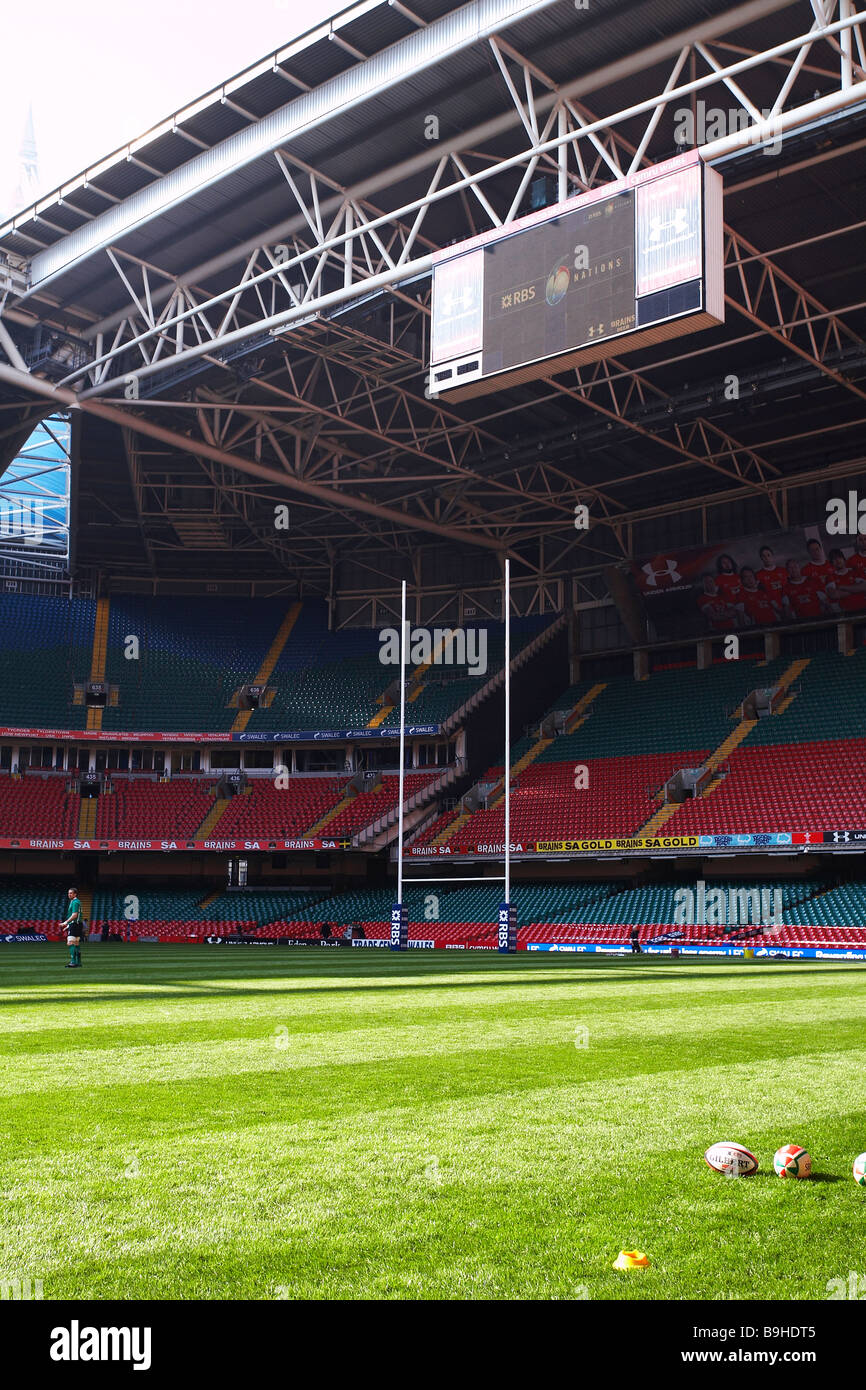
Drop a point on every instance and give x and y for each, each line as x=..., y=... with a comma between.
x=859, y=1170
x=732, y=1159
x=792, y=1162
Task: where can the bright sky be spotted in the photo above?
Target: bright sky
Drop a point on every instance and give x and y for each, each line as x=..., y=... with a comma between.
x=102, y=72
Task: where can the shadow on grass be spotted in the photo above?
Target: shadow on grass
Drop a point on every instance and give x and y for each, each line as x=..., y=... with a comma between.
x=495, y=969
x=328, y=1091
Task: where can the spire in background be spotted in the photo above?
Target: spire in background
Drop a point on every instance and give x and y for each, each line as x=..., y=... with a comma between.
x=27, y=186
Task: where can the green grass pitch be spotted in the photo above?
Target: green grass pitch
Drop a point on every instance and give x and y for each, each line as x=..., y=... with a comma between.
x=189, y=1122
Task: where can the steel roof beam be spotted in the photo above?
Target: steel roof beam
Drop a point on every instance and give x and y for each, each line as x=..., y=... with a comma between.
x=318, y=302
x=609, y=73
x=186, y=444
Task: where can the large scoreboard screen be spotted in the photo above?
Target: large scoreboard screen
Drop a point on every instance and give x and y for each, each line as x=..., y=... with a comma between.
x=632, y=263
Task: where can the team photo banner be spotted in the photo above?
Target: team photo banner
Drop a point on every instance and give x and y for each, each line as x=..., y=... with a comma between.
x=742, y=583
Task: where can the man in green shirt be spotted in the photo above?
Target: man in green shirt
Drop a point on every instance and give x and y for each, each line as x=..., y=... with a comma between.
x=74, y=930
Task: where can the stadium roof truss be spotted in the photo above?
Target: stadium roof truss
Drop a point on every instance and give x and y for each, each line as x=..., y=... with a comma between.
x=243, y=295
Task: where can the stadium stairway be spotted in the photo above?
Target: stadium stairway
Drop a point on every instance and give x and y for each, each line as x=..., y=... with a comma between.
x=746, y=726
x=519, y=658
x=212, y=818
x=657, y=820
x=578, y=714
x=382, y=810
x=576, y=717
x=326, y=819
x=720, y=755
x=528, y=757
x=417, y=685
x=87, y=818
x=97, y=661
x=727, y=746
x=417, y=680
x=451, y=828
x=787, y=680
x=664, y=813
x=266, y=669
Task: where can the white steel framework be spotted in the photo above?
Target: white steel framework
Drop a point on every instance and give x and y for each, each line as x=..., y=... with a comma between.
x=335, y=414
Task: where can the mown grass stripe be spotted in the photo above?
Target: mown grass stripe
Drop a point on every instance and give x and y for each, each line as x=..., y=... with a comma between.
x=428, y=1130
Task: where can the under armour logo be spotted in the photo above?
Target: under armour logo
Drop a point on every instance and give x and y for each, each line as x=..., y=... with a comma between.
x=840, y=835
x=669, y=573
x=678, y=224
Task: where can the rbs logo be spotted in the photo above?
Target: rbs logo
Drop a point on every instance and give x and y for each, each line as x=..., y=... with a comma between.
x=507, y=928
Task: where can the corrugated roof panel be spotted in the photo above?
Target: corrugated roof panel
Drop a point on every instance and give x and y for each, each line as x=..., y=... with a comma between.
x=249, y=199
x=577, y=40
x=357, y=86
x=320, y=64
x=378, y=29
x=217, y=123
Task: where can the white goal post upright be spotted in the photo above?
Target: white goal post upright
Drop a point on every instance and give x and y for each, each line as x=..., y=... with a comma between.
x=402, y=777
x=507, y=932
x=399, y=917
x=507, y=731
x=507, y=926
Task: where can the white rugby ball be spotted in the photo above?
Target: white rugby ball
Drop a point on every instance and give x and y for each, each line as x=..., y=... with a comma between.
x=732, y=1159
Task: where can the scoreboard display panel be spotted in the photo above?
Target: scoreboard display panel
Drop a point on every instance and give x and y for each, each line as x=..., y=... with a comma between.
x=634, y=262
